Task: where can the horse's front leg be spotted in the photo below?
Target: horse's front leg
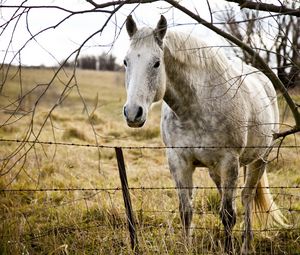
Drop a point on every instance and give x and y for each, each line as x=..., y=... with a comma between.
x=228, y=168
x=182, y=171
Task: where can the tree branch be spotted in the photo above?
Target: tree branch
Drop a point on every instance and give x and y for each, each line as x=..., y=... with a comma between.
x=266, y=7
x=28, y=7
x=283, y=134
x=114, y=3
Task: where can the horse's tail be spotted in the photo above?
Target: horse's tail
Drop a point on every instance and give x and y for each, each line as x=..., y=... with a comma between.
x=265, y=209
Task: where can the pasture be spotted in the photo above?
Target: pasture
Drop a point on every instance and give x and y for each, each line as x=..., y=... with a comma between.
x=80, y=208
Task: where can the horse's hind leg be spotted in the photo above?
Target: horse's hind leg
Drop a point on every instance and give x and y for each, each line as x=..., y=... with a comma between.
x=182, y=172
x=254, y=173
x=228, y=169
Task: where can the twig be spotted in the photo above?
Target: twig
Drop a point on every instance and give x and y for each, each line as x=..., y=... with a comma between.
x=267, y=7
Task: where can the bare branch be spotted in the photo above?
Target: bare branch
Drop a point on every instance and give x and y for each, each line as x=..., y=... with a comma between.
x=266, y=7
x=283, y=134
x=121, y=2
x=27, y=7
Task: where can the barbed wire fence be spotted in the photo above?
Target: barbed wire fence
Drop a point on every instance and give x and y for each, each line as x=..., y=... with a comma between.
x=134, y=218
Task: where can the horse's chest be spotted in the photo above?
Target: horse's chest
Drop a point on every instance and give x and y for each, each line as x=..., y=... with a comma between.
x=197, y=131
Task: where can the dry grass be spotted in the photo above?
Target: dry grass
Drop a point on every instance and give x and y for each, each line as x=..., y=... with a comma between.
x=93, y=222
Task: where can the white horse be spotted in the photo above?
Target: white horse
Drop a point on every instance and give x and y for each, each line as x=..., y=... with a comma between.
x=214, y=116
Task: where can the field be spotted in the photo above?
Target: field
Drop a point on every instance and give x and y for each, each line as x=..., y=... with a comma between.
x=79, y=208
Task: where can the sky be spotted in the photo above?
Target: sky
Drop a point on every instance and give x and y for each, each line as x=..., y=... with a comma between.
x=54, y=45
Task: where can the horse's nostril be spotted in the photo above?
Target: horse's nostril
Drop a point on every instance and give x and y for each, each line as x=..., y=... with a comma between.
x=125, y=111
x=139, y=113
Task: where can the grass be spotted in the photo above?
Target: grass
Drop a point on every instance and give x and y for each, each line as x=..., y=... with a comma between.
x=93, y=221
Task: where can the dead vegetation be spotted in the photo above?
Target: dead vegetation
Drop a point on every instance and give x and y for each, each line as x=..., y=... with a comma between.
x=93, y=221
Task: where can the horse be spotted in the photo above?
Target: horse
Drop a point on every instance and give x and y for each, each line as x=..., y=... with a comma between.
x=214, y=115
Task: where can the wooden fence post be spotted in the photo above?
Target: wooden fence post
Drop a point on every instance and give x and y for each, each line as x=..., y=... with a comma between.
x=127, y=200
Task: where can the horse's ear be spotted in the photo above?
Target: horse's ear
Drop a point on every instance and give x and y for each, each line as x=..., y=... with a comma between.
x=161, y=29
x=130, y=26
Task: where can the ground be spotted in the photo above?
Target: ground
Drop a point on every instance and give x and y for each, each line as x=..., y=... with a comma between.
x=87, y=216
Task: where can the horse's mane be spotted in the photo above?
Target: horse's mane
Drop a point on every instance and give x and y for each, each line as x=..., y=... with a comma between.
x=184, y=49
x=193, y=52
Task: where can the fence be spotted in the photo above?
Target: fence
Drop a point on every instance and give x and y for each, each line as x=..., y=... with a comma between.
x=138, y=225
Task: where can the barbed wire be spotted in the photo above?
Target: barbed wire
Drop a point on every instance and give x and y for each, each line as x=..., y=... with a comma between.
x=144, y=188
x=120, y=223
x=142, y=147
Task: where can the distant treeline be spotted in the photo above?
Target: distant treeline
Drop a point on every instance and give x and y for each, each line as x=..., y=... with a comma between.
x=104, y=62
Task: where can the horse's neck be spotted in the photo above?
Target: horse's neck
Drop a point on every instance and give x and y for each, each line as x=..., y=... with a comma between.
x=189, y=87
x=181, y=91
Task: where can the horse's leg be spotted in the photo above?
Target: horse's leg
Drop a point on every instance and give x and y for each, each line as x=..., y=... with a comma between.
x=228, y=169
x=254, y=173
x=215, y=176
x=182, y=172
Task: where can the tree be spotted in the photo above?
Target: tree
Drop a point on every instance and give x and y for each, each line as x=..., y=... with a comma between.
x=279, y=48
x=87, y=62
x=108, y=62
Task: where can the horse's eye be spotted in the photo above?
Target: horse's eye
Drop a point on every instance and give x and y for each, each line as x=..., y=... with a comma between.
x=157, y=64
x=125, y=62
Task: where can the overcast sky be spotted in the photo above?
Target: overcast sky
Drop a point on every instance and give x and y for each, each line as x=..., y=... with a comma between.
x=57, y=44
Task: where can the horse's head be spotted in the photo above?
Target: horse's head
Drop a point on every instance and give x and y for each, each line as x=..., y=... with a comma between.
x=145, y=70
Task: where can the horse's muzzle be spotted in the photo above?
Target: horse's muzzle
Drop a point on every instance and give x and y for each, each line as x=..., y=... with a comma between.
x=134, y=116
x=135, y=124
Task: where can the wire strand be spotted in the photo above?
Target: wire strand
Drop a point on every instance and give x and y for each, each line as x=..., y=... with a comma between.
x=141, y=147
